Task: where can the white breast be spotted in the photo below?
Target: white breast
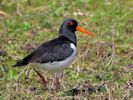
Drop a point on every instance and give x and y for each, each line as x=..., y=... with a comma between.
x=58, y=66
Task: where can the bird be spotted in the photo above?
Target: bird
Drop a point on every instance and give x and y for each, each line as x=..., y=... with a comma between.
x=57, y=54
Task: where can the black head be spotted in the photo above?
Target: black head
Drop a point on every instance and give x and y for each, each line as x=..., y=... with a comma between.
x=69, y=24
x=68, y=28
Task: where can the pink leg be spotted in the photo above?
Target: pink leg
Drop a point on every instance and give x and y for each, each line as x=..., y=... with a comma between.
x=56, y=83
x=41, y=79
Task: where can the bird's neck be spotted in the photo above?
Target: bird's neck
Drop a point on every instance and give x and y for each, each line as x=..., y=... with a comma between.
x=69, y=35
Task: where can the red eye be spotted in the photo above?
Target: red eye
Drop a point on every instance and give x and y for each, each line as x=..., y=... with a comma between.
x=71, y=23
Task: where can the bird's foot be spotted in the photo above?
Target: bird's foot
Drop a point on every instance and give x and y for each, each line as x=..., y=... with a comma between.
x=41, y=80
x=56, y=83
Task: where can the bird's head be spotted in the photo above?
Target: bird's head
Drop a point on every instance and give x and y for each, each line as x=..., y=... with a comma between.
x=68, y=28
x=71, y=25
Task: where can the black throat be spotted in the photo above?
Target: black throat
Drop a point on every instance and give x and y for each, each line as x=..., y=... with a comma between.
x=70, y=35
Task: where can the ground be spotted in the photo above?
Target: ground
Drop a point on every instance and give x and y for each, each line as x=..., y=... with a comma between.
x=103, y=68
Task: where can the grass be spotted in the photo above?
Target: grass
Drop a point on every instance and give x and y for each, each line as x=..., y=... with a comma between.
x=103, y=67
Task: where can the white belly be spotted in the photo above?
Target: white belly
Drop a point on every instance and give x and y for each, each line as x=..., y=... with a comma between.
x=58, y=66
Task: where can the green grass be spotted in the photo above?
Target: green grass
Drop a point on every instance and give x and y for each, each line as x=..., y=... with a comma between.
x=100, y=70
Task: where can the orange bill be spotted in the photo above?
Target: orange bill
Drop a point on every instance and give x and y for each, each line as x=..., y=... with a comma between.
x=78, y=28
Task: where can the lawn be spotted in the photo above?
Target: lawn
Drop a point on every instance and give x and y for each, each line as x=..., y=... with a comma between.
x=103, y=68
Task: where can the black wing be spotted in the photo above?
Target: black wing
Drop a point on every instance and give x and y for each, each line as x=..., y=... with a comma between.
x=54, y=50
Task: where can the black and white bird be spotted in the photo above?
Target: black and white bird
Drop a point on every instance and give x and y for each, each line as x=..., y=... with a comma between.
x=55, y=55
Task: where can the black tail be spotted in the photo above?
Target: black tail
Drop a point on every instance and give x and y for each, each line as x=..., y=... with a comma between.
x=20, y=63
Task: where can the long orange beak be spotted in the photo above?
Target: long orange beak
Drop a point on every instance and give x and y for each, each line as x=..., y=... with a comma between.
x=78, y=28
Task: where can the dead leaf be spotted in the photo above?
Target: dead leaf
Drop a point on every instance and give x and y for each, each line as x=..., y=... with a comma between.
x=2, y=13
x=129, y=66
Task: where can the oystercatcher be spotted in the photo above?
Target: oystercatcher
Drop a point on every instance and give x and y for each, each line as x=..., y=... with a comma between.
x=55, y=55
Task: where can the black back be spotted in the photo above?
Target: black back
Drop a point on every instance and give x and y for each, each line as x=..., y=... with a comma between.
x=54, y=50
